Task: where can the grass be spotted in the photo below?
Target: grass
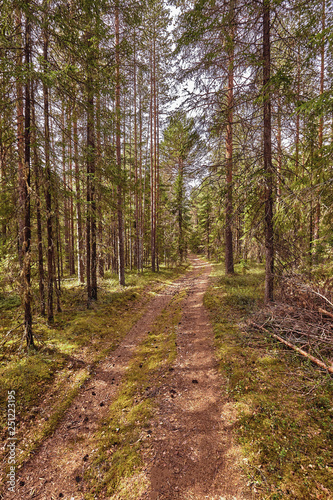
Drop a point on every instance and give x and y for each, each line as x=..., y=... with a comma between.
x=284, y=403
x=46, y=380
x=115, y=470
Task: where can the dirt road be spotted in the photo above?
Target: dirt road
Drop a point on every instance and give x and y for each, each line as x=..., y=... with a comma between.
x=192, y=455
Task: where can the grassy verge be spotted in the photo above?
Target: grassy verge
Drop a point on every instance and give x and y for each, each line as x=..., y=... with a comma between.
x=115, y=470
x=48, y=379
x=285, y=404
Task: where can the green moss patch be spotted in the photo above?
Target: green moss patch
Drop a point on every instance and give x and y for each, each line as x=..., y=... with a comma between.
x=285, y=404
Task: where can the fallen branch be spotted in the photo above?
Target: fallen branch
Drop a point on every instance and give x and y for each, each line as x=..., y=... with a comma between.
x=307, y=288
x=327, y=313
x=297, y=349
x=9, y=332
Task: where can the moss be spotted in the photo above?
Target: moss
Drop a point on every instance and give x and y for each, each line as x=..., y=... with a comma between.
x=284, y=404
x=9, y=301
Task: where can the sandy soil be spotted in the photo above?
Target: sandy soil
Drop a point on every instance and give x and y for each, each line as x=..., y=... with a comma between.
x=192, y=455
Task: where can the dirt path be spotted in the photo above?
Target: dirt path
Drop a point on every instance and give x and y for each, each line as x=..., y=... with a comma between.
x=56, y=470
x=192, y=455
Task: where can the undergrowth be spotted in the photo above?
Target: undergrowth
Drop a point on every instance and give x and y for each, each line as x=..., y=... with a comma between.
x=285, y=404
x=115, y=466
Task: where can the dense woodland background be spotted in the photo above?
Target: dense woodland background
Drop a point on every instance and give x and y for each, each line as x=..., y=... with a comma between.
x=134, y=132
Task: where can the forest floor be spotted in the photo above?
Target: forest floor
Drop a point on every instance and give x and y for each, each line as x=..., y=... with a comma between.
x=179, y=401
x=174, y=426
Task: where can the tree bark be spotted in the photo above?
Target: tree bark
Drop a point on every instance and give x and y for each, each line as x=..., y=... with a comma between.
x=268, y=168
x=48, y=182
x=80, y=244
x=320, y=137
x=121, y=255
x=71, y=201
x=26, y=194
x=20, y=137
x=37, y=174
x=152, y=163
x=229, y=260
x=180, y=209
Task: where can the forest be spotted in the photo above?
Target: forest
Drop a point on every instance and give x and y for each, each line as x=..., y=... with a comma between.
x=137, y=139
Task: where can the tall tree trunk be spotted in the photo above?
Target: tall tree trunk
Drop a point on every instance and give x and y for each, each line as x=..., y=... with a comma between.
x=64, y=181
x=121, y=253
x=153, y=159
x=91, y=170
x=37, y=174
x=136, y=182
x=141, y=191
x=297, y=115
x=80, y=245
x=48, y=181
x=180, y=209
x=229, y=259
x=268, y=168
x=317, y=214
x=101, y=257
x=26, y=194
x=157, y=160
x=279, y=150
x=20, y=137
x=71, y=201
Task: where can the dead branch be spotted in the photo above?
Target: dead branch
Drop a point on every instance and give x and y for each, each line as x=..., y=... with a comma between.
x=307, y=288
x=297, y=349
x=9, y=332
x=327, y=313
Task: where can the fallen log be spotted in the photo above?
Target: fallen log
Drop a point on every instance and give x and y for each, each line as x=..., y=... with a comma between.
x=297, y=349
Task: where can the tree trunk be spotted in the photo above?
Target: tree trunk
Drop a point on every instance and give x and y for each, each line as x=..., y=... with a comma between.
x=229, y=260
x=279, y=150
x=101, y=257
x=71, y=201
x=320, y=139
x=26, y=252
x=121, y=255
x=80, y=245
x=136, y=183
x=268, y=168
x=48, y=183
x=152, y=162
x=180, y=196
x=91, y=168
x=37, y=174
x=64, y=181
x=20, y=138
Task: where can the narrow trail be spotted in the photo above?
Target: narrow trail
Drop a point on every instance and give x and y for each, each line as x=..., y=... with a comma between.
x=58, y=466
x=192, y=455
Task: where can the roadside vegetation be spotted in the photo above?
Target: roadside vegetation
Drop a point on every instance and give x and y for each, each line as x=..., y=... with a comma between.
x=284, y=402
